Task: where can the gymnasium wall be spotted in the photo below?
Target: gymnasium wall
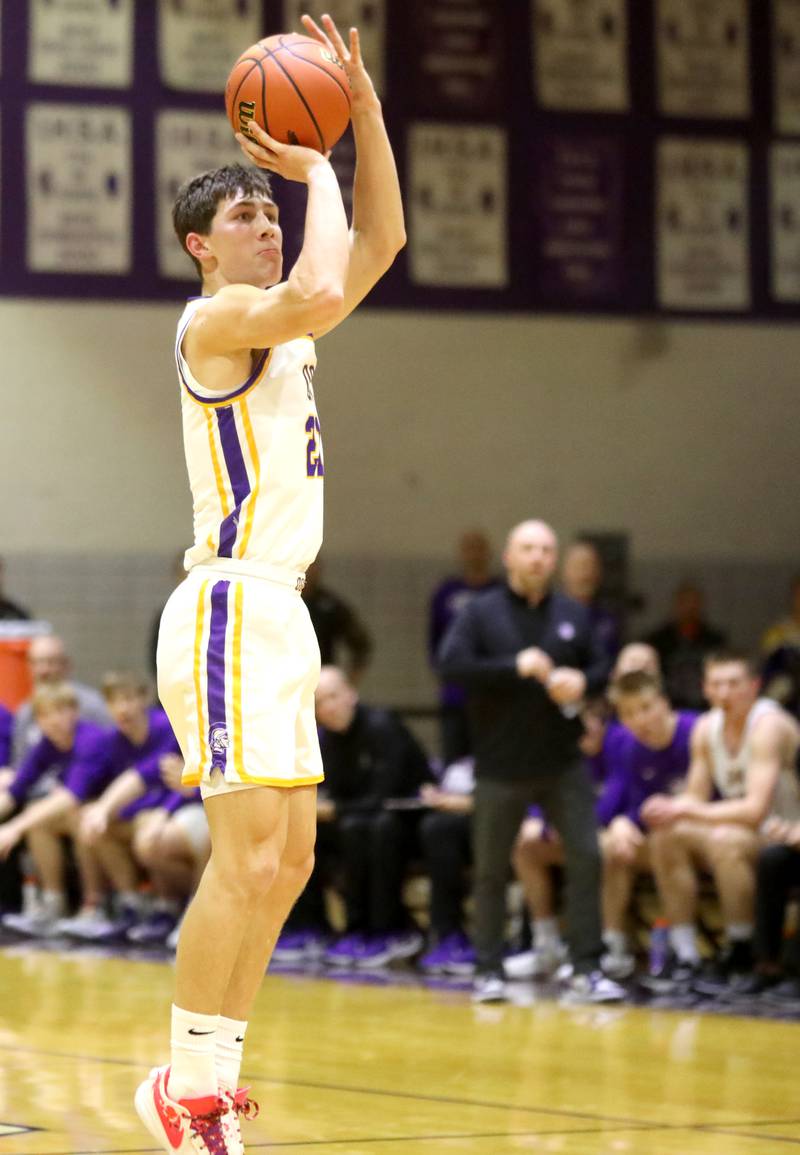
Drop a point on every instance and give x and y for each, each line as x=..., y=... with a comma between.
x=683, y=434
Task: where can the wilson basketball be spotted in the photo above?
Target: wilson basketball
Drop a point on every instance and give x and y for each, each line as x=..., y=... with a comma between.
x=293, y=87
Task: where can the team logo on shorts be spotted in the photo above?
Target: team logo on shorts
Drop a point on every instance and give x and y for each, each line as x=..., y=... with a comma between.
x=218, y=739
x=566, y=631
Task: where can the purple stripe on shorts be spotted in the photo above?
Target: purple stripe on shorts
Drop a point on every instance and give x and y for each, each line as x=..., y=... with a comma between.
x=215, y=676
x=237, y=471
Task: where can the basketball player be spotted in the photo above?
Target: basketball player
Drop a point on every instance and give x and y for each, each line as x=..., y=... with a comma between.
x=237, y=657
x=743, y=750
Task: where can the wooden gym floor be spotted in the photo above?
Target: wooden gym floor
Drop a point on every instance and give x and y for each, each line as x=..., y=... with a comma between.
x=351, y=1069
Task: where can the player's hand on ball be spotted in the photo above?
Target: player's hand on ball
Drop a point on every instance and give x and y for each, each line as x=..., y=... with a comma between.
x=362, y=90
x=291, y=161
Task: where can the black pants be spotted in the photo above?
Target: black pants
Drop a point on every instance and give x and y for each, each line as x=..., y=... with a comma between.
x=456, y=741
x=778, y=873
x=567, y=798
x=447, y=848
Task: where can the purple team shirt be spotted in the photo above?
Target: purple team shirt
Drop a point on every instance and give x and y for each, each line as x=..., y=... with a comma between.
x=122, y=755
x=637, y=772
x=78, y=769
x=6, y=728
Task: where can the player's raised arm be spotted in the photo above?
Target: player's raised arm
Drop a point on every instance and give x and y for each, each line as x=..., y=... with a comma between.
x=243, y=312
x=378, y=230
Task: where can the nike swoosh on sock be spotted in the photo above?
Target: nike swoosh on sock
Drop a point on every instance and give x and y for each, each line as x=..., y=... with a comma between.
x=192, y=1031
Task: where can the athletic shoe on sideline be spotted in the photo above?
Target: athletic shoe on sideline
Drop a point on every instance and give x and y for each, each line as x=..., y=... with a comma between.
x=592, y=988
x=344, y=952
x=185, y=1126
x=109, y=929
x=40, y=924
x=489, y=988
x=536, y=964
x=154, y=929
x=784, y=994
x=676, y=975
x=82, y=922
x=726, y=971
x=296, y=946
x=618, y=964
x=453, y=956
x=381, y=949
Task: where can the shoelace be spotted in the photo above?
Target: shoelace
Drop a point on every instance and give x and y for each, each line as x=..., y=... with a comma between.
x=247, y=1108
x=209, y=1128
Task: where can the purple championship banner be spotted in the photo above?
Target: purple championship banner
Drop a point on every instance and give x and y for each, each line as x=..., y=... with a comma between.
x=628, y=157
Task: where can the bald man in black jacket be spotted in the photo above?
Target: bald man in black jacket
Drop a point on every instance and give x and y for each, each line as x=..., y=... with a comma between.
x=528, y=659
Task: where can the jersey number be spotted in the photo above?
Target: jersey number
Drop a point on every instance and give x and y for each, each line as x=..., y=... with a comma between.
x=314, y=466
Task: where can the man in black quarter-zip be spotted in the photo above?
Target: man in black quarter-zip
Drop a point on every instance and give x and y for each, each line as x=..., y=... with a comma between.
x=527, y=657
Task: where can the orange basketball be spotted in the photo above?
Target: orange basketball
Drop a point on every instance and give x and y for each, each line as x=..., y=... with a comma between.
x=293, y=87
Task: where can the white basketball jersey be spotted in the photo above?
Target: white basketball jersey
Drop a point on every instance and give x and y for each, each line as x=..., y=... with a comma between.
x=730, y=770
x=254, y=457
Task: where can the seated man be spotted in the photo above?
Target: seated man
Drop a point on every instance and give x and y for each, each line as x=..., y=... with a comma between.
x=371, y=761
x=778, y=874
x=654, y=759
x=174, y=858
x=445, y=833
x=742, y=765
x=121, y=826
x=74, y=752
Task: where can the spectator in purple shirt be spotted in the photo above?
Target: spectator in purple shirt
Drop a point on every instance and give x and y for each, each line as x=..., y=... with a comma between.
x=446, y=603
x=654, y=760
x=74, y=752
x=121, y=826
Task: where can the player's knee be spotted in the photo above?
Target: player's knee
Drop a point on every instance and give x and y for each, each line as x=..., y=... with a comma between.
x=254, y=874
x=727, y=842
x=296, y=873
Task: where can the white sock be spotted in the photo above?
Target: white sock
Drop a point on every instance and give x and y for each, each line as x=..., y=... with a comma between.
x=740, y=931
x=54, y=903
x=192, y=1069
x=546, y=934
x=616, y=941
x=683, y=940
x=228, y=1051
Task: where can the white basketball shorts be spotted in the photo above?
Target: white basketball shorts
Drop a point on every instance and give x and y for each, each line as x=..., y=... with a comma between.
x=238, y=664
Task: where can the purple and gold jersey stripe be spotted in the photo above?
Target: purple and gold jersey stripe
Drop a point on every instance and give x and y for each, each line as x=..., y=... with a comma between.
x=215, y=677
x=218, y=679
x=237, y=475
x=259, y=369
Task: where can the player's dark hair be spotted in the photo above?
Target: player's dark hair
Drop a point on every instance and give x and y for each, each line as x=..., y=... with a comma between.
x=198, y=199
x=635, y=682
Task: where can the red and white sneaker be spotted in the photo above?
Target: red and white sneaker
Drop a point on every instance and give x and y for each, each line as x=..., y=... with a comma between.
x=239, y=1107
x=185, y=1126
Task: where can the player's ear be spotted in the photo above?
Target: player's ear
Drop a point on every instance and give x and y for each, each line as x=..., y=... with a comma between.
x=197, y=246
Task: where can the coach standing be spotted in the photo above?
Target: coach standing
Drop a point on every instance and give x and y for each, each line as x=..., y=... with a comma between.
x=528, y=659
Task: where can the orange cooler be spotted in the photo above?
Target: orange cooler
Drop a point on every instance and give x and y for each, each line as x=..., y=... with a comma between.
x=15, y=678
